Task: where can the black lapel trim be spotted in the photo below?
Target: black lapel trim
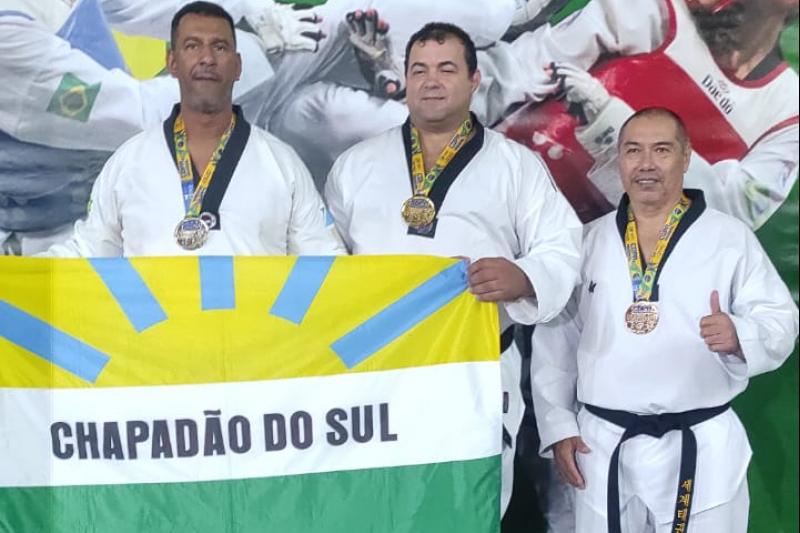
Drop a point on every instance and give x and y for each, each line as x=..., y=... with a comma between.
x=226, y=166
x=689, y=218
x=449, y=174
x=696, y=209
x=406, y=131
x=622, y=216
x=169, y=135
x=169, y=131
x=227, y=163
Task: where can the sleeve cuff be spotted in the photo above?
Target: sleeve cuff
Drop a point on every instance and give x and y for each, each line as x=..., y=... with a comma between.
x=523, y=310
x=756, y=360
x=543, y=306
x=550, y=434
x=734, y=366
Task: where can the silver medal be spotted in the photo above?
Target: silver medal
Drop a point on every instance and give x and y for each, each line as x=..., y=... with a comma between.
x=191, y=233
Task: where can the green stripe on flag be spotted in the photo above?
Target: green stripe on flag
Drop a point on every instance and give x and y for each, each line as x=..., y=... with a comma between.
x=458, y=497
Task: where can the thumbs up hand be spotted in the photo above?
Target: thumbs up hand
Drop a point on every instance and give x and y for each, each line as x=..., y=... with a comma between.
x=718, y=330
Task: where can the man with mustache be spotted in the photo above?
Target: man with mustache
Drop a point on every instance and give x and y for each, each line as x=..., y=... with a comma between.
x=206, y=181
x=679, y=306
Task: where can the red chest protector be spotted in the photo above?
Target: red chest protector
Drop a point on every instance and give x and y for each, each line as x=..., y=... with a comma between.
x=641, y=80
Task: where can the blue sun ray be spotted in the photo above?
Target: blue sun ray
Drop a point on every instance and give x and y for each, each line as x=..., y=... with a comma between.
x=130, y=291
x=301, y=287
x=217, y=284
x=402, y=315
x=44, y=340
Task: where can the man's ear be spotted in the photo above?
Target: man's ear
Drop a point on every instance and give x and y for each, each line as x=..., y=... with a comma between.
x=170, y=61
x=238, y=66
x=475, y=80
x=687, y=155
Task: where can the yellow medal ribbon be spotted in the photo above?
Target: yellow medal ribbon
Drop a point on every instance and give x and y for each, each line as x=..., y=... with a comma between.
x=643, y=279
x=423, y=182
x=193, y=198
x=419, y=211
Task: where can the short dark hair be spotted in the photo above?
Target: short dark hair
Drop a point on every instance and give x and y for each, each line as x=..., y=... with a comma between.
x=439, y=32
x=207, y=9
x=655, y=111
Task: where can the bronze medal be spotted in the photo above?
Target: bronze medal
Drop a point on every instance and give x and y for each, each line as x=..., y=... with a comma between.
x=191, y=233
x=642, y=317
x=418, y=211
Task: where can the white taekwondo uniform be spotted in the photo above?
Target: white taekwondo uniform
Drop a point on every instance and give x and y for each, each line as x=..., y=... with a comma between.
x=670, y=370
x=502, y=203
x=270, y=206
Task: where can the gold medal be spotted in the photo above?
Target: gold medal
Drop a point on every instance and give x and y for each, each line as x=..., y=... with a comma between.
x=418, y=211
x=191, y=233
x=642, y=317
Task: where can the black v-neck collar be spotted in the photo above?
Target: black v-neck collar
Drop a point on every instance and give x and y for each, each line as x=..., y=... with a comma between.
x=226, y=165
x=449, y=173
x=697, y=207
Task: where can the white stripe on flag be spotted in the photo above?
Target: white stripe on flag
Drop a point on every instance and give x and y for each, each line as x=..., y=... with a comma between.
x=438, y=413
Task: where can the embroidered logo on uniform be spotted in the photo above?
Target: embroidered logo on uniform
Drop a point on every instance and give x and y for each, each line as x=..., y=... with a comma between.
x=74, y=98
x=719, y=92
x=606, y=137
x=592, y=285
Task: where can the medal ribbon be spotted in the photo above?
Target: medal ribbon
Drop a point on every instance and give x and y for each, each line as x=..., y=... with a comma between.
x=642, y=281
x=193, y=198
x=423, y=182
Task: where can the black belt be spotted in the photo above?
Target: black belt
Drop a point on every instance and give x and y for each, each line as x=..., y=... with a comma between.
x=506, y=339
x=656, y=426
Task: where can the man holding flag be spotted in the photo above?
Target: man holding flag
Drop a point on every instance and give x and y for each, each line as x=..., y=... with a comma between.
x=441, y=184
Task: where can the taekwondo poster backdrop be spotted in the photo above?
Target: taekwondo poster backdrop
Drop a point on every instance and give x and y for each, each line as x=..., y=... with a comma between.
x=79, y=78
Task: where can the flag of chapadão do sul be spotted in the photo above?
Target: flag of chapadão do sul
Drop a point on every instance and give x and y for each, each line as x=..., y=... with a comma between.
x=217, y=394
